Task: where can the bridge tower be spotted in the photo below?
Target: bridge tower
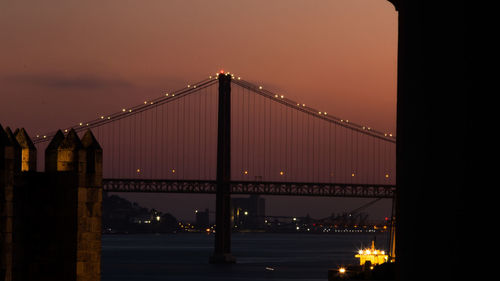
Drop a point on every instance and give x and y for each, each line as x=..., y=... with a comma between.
x=222, y=251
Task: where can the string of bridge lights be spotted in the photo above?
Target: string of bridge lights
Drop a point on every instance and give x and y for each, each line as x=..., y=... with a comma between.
x=303, y=106
x=125, y=111
x=289, y=102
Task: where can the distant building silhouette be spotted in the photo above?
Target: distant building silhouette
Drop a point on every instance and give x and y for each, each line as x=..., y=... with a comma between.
x=202, y=219
x=248, y=213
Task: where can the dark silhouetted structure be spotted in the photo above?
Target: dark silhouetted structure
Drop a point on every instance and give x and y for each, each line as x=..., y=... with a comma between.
x=50, y=221
x=202, y=219
x=249, y=213
x=222, y=252
x=431, y=132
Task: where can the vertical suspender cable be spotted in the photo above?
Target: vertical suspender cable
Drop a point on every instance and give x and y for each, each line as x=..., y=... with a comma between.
x=154, y=144
x=357, y=156
x=374, y=160
x=184, y=138
x=346, y=155
x=242, y=126
x=314, y=169
x=379, y=162
x=329, y=152
x=287, y=167
x=248, y=130
x=163, y=161
x=354, y=172
x=265, y=140
x=119, y=147
x=254, y=133
x=335, y=154
x=176, y=169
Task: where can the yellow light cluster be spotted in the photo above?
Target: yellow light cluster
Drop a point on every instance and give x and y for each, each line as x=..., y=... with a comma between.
x=373, y=255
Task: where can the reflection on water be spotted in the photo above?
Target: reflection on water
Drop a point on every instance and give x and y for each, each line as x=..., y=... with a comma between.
x=260, y=256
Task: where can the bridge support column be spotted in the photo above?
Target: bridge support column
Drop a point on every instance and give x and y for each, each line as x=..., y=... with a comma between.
x=222, y=251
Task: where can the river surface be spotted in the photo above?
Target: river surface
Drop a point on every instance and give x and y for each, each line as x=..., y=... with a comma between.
x=260, y=256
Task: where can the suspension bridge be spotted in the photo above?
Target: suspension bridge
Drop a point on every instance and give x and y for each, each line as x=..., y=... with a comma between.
x=224, y=136
x=277, y=146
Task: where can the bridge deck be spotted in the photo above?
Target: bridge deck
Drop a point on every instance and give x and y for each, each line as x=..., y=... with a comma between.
x=262, y=188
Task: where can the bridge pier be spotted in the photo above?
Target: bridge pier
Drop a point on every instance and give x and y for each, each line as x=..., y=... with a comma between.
x=222, y=251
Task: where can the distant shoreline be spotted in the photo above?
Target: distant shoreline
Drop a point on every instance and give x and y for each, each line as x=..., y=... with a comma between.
x=337, y=231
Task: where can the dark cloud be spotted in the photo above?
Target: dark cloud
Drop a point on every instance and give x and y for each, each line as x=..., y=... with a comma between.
x=84, y=82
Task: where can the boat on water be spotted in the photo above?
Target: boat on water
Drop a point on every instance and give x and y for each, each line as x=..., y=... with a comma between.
x=372, y=255
x=373, y=263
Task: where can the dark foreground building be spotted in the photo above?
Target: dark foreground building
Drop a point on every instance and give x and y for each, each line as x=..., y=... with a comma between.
x=432, y=127
x=50, y=222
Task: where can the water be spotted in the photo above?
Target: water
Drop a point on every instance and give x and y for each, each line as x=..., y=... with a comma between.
x=185, y=256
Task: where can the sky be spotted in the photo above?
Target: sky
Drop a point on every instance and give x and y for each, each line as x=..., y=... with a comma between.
x=66, y=61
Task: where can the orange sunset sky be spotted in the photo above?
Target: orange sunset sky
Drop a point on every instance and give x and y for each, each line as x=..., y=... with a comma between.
x=64, y=62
